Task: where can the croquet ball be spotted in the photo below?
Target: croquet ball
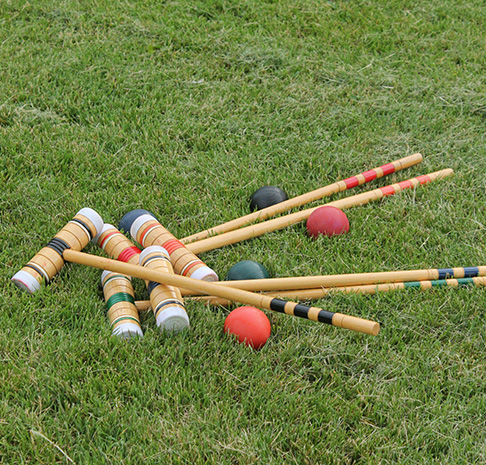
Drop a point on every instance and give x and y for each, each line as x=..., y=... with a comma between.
x=247, y=269
x=266, y=196
x=327, y=220
x=250, y=325
x=128, y=218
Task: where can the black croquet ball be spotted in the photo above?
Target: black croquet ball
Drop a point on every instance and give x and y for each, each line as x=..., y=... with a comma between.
x=266, y=196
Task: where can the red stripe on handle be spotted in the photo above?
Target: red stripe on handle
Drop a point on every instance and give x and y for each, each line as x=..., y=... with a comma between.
x=388, y=190
x=424, y=179
x=351, y=182
x=128, y=253
x=107, y=236
x=172, y=245
x=405, y=184
x=388, y=168
x=369, y=175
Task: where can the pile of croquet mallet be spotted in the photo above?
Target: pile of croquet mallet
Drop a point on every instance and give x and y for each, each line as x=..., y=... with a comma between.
x=173, y=272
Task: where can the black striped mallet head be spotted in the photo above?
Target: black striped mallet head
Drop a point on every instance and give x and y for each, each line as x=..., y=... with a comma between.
x=166, y=301
x=85, y=225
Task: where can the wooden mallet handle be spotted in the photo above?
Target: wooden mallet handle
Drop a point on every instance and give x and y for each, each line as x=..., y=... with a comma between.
x=249, y=232
x=353, y=279
x=303, y=199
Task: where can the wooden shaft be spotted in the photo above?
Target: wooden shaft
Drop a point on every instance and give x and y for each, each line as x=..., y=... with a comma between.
x=356, y=279
x=303, y=199
x=236, y=295
x=310, y=294
x=318, y=293
x=259, y=229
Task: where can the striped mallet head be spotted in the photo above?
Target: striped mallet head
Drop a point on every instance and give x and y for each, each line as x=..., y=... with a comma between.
x=166, y=300
x=117, y=245
x=120, y=305
x=85, y=225
x=147, y=231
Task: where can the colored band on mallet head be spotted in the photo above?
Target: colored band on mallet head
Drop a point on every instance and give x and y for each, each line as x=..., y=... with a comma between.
x=117, y=245
x=168, y=304
x=166, y=301
x=48, y=262
x=120, y=305
x=147, y=231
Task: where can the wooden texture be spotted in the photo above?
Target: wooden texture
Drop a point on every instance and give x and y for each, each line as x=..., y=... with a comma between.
x=116, y=245
x=356, y=279
x=162, y=295
x=119, y=296
x=184, y=262
x=48, y=261
x=319, y=293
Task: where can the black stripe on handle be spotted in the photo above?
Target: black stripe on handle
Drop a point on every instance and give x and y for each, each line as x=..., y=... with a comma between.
x=278, y=305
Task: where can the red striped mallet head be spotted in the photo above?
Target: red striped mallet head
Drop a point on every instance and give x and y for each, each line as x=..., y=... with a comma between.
x=147, y=231
x=48, y=262
x=117, y=245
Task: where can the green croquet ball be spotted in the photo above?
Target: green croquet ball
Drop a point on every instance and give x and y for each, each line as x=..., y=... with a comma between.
x=266, y=196
x=247, y=269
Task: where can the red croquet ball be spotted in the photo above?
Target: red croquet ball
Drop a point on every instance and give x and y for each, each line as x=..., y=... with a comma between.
x=250, y=325
x=327, y=220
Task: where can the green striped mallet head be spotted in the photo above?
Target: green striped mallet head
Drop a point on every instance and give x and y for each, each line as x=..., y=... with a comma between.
x=120, y=305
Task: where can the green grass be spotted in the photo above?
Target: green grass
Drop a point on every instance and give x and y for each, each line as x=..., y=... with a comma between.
x=185, y=108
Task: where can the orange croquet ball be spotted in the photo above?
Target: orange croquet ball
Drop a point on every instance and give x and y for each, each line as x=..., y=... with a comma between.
x=250, y=325
x=327, y=220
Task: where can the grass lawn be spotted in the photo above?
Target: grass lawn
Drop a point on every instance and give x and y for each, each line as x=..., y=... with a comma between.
x=185, y=108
